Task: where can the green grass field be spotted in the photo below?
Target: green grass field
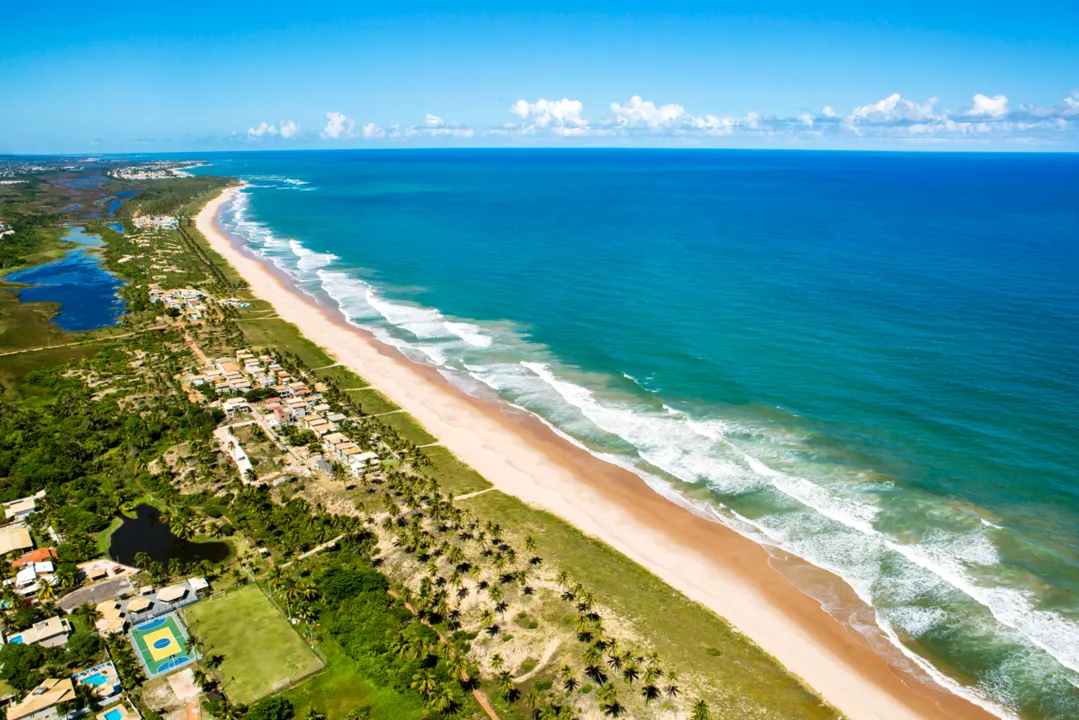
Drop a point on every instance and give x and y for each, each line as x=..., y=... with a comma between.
x=371, y=401
x=452, y=474
x=259, y=646
x=279, y=335
x=345, y=378
x=344, y=687
x=407, y=427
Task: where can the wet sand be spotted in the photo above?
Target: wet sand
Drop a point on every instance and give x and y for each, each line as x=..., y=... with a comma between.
x=708, y=562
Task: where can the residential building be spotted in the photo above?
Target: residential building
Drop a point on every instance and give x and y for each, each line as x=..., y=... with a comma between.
x=44, y=702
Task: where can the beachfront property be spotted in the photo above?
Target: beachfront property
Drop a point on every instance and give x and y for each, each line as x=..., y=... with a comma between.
x=155, y=222
x=48, y=701
x=52, y=632
x=191, y=302
x=156, y=170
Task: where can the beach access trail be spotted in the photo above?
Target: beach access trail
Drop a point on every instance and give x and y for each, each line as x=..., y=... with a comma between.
x=707, y=562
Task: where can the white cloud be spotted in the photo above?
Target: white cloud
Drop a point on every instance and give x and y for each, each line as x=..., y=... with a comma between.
x=433, y=126
x=286, y=129
x=262, y=129
x=338, y=126
x=289, y=129
x=894, y=110
x=995, y=106
x=562, y=117
x=639, y=112
x=370, y=130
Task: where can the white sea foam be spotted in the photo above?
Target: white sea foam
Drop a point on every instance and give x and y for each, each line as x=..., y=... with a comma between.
x=830, y=521
x=470, y=333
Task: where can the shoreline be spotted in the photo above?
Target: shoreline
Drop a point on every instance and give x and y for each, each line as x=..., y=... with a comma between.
x=708, y=562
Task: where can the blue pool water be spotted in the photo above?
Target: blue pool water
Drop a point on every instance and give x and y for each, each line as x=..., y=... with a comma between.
x=869, y=360
x=87, y=293
x=94, y=680
x=114, y=714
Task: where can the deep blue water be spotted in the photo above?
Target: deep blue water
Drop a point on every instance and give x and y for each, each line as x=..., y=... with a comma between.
x=87, y=293
x=868, y=360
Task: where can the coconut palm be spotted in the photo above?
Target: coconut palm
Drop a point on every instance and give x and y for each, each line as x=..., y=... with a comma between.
x=700, y=711
x=424, y=683
x=497, y=662
x=46, y=591
x=672, y=684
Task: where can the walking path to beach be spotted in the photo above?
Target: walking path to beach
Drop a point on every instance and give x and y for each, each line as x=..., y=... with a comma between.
x=709, y=563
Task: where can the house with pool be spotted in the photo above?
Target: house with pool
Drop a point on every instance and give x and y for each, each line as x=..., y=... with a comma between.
x=51, y=632
x=103, y=680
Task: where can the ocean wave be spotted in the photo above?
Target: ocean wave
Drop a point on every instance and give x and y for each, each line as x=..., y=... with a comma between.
x=828, y=516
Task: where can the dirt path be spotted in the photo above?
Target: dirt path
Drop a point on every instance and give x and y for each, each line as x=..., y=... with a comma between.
x=81, y=342
x=480, y=696
x=552, y=646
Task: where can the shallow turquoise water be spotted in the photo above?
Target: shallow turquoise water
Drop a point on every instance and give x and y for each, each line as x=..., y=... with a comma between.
x=868, y=360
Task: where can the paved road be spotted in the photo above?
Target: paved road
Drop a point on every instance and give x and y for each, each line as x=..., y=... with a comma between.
x=94, y=594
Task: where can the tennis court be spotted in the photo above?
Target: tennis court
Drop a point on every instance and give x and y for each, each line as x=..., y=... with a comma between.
x=161, y=645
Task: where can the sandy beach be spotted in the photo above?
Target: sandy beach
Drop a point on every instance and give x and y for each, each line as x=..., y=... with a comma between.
x=706, y=561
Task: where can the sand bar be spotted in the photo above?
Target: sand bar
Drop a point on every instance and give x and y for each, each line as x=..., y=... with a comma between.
x=706, y=561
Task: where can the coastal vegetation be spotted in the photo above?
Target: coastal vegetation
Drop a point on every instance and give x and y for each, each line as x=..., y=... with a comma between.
x=405, y=588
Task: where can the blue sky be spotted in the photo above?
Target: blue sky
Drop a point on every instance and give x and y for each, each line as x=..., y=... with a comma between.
x=124, y=76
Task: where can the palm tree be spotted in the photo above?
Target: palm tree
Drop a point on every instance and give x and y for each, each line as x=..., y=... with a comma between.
x=608, y=701
x=89, y=613
x=424, y=683
x=506, y=689
x=443, y=699
x=569, y=682
x=700, y=711
x=313, y=714
x=46, y=591
x=672, y=683
x=497, y=662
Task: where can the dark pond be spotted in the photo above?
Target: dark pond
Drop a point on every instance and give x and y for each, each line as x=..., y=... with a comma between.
x=86, y=291
x=147, y=533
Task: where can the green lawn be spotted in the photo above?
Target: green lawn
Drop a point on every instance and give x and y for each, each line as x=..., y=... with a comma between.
x=258, y=644
x=344, y=687
x=371, y=401
x=407, y=427
x=345, y=378
x=453, y=475
x=277, y=334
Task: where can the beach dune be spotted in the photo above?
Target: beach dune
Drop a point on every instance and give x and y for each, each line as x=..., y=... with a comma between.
x=706, y=561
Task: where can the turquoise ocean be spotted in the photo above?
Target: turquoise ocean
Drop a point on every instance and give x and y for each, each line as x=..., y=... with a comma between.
x=870, y=361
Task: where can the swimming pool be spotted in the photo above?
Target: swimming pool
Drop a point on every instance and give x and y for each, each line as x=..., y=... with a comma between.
x=114, y=714
x=96, y=679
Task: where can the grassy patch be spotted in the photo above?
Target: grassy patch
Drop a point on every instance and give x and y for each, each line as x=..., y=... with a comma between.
x=453, y=475
x=28, y=325
x=408, y=428
x=372, y=402
x=345, y=378
x=13, y=368
x=258, y=644
x=104, y=538
x=743, y=679
x=342, y=688
x=277, y=334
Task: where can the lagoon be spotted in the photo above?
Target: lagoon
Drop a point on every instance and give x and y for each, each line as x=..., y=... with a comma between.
x=85, y=290
x=146, y=532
